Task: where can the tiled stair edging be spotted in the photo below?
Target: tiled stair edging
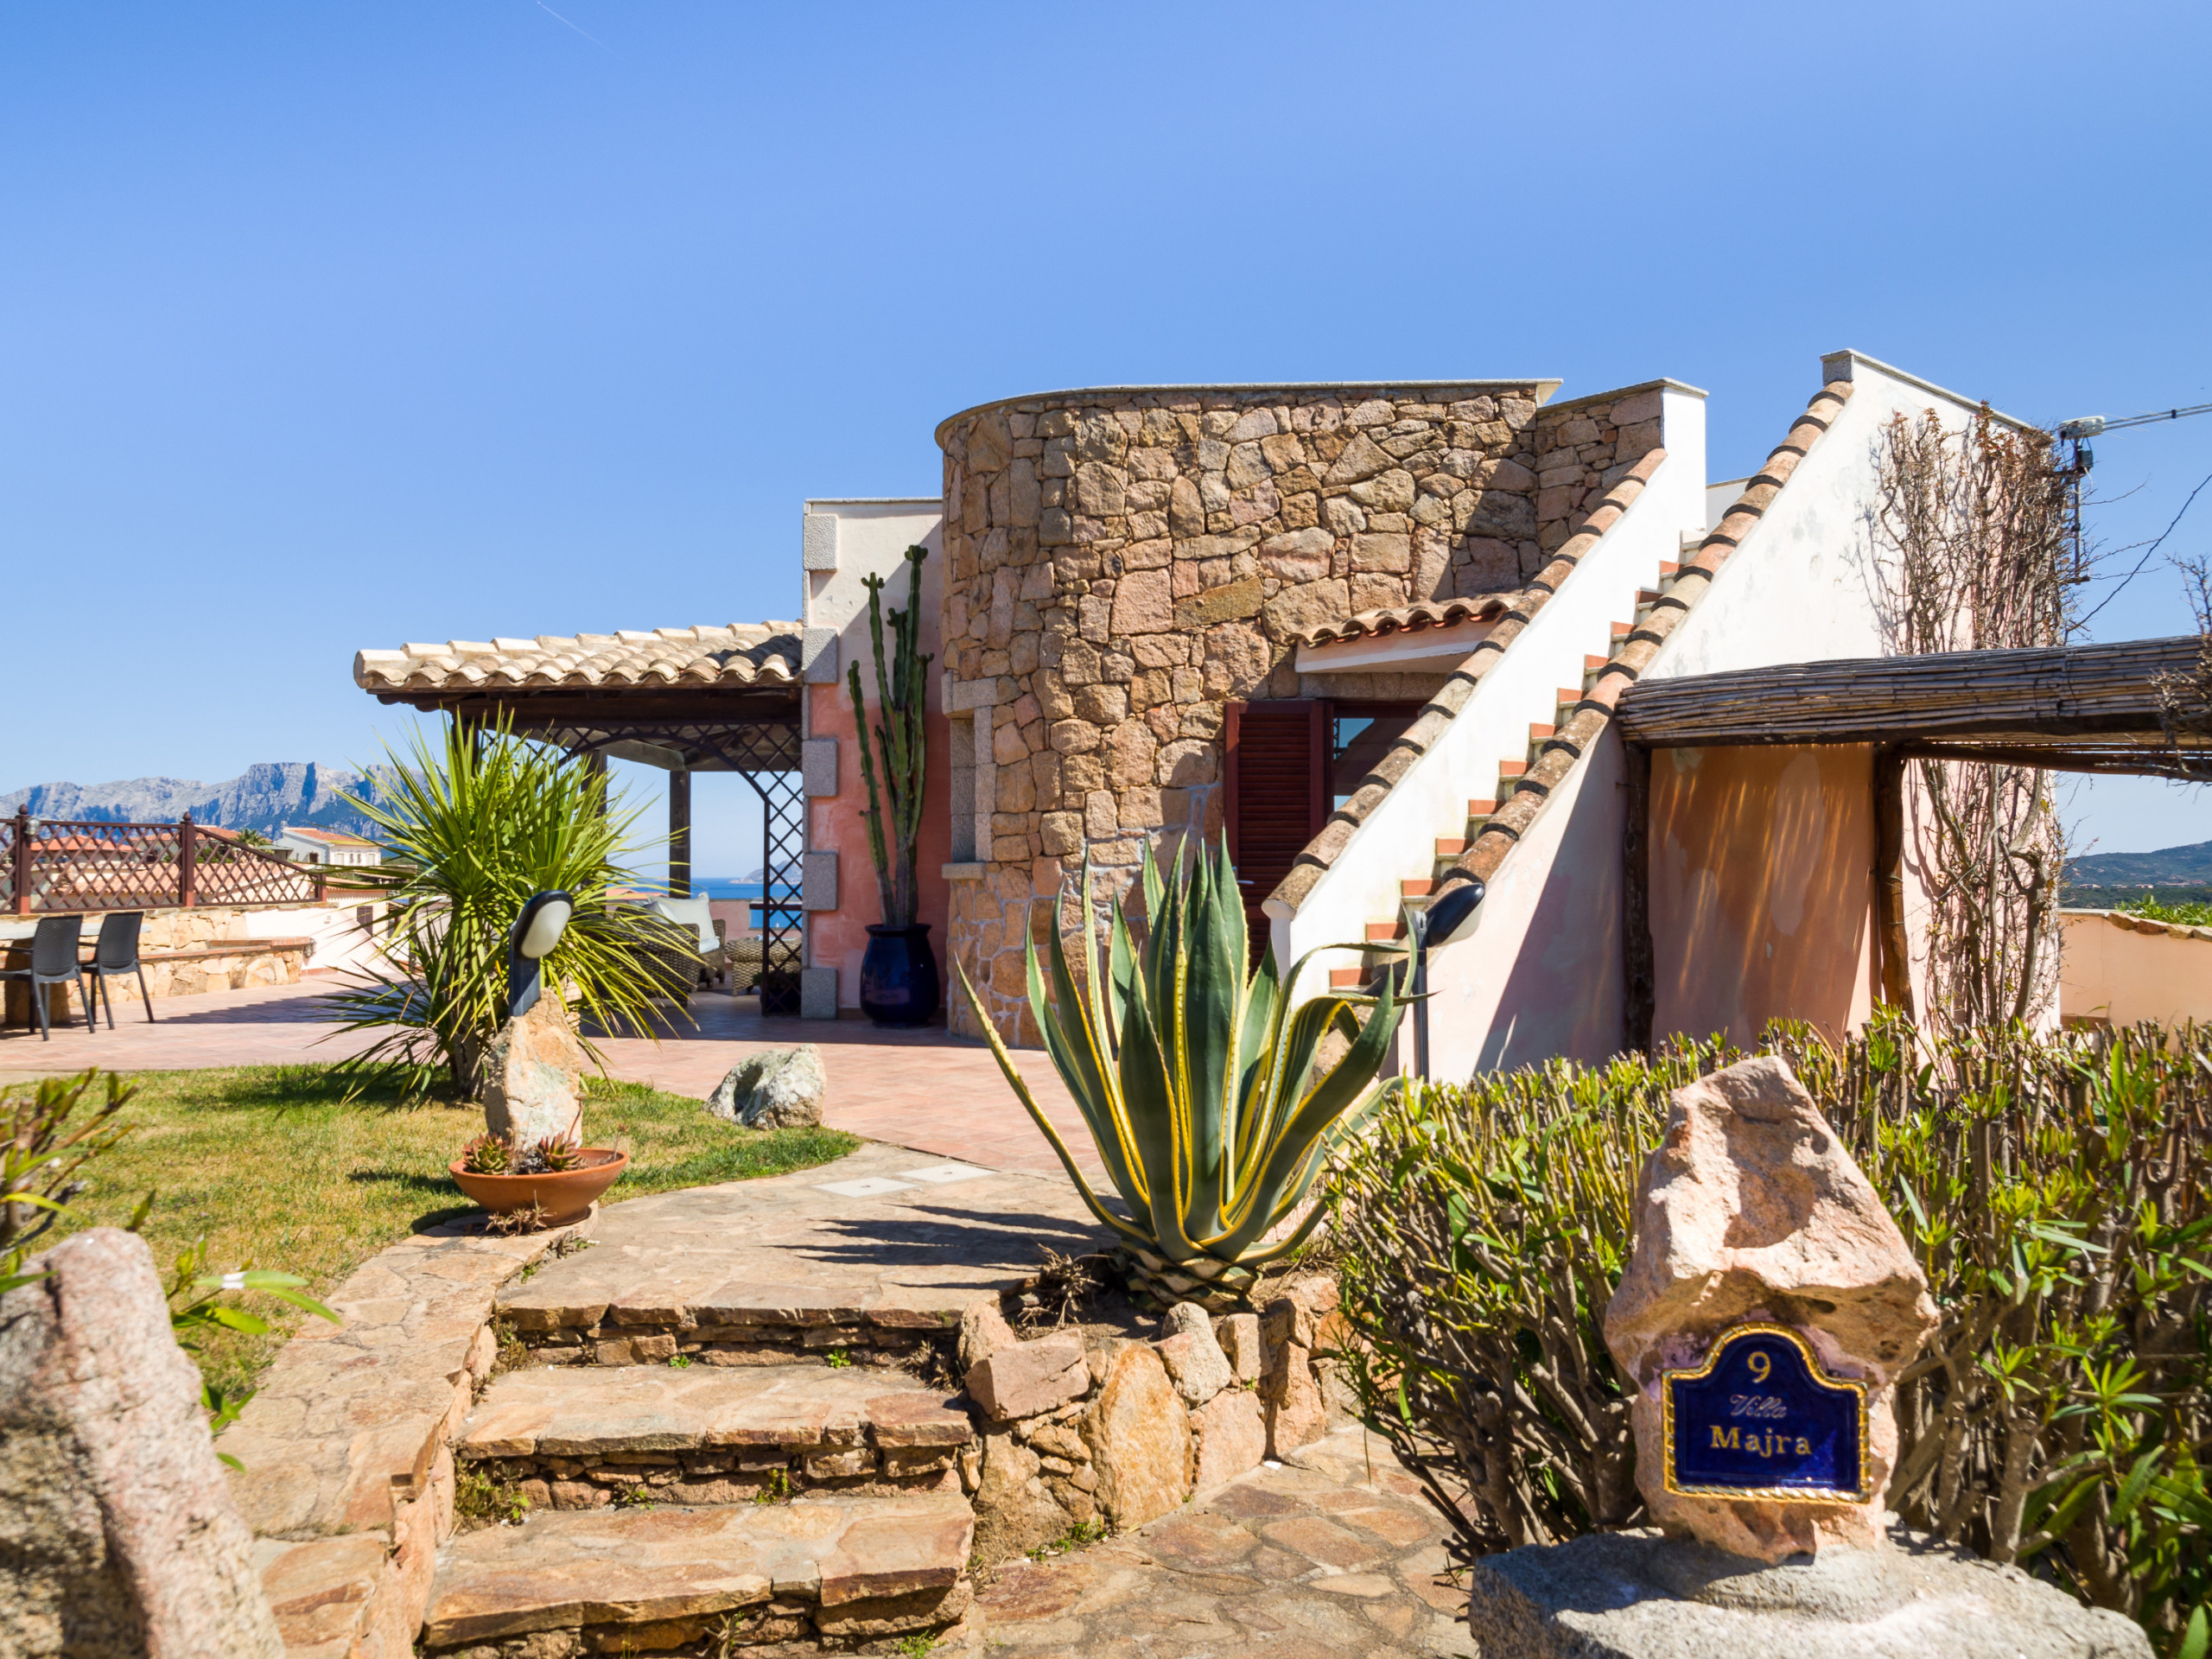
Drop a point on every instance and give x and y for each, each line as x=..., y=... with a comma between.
x=1567, y=746
x=347, y=1477
x=1428, y=731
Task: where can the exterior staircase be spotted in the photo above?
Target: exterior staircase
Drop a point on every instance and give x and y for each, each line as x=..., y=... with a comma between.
x=678, y=1502
x=1415, y=892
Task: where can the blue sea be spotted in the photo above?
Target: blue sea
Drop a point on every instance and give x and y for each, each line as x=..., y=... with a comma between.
x=723, y=887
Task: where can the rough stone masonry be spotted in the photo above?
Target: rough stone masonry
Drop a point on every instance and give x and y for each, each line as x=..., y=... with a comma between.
x=1121, y=564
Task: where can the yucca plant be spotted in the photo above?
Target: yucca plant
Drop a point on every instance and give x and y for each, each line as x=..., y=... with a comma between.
x=470, y=830
x=1201, y=1083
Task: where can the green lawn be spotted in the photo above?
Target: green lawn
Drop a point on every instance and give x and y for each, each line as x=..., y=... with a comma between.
x=278, y=1168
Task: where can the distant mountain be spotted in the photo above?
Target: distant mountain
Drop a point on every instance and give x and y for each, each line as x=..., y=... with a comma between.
x=2170, y=867
x=262, y=797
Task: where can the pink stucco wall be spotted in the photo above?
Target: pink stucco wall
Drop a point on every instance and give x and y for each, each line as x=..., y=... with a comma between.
x=839, y=824
x=1762, y=888
x=870, y=538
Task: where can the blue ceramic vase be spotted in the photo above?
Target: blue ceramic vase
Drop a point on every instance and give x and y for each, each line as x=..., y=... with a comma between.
x=898, y=975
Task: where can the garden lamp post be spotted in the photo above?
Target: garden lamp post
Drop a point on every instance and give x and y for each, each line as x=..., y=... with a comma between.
x=1439, y=920
x=544, y=918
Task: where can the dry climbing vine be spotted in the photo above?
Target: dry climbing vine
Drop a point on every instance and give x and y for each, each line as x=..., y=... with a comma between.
x=1977, y=555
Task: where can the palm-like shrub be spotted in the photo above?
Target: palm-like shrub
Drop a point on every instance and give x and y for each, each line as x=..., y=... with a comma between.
x=471, y=830
x=1206, y=1091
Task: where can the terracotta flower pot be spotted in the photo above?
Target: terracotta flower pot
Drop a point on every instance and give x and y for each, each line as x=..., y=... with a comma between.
x=565, y=1194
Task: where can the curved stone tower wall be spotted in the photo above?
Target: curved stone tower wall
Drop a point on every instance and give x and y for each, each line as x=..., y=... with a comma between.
x=1120, y=564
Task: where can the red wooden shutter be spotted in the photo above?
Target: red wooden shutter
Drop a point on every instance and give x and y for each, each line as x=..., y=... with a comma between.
x=1276, y=796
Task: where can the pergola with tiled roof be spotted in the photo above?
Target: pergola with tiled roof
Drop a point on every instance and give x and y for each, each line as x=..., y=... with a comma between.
x=686, y=699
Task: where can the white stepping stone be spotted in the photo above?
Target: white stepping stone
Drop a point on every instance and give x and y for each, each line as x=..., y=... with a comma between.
x=940, y=1174
x=867, y=1187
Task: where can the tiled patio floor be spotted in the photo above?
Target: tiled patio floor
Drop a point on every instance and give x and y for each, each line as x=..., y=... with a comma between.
x=921, y=1089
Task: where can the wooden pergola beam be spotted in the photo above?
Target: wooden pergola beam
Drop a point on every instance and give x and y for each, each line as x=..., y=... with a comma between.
x=2059, y=708
x=1992, y=699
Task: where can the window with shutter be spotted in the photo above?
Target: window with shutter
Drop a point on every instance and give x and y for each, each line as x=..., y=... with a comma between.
x=1277, y=795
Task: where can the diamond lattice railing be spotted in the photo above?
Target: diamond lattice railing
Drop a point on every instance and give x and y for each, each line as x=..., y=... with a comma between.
x=58, y=866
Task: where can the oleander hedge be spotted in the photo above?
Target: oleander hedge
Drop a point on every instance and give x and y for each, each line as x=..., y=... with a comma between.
x=2057, y=1192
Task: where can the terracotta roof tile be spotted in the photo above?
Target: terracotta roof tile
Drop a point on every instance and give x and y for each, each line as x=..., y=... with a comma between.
x=1408, y=619
x=740, y=654
x=1514, y=614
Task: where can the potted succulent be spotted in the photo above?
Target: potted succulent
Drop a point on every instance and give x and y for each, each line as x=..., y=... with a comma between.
x=899, y=980
x=556, y=1176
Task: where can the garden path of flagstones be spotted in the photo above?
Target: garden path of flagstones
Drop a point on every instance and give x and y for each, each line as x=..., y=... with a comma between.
x=1331, y=1553
x=922, y=1089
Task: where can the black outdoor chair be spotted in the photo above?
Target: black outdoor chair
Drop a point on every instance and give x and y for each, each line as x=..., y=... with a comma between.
x=116, y=952
x=53, y=961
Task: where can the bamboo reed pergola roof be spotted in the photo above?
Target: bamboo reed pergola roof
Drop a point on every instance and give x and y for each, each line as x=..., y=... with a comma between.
x=2067, y=708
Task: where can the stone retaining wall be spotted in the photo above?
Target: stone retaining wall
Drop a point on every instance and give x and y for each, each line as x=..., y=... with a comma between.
x=1075, y=1432
x=207, y=948
x=231, y=965
x=714, y=1335
x=347, y=1467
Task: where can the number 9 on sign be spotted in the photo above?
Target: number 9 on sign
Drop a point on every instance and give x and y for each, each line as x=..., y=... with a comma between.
x=1761, y=1367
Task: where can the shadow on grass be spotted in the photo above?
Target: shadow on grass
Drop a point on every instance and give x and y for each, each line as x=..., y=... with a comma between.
x=413, y=1180
x=290, y=1087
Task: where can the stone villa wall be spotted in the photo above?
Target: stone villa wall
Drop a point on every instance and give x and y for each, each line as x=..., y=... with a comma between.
x=1584, y=448
x=1120, y=564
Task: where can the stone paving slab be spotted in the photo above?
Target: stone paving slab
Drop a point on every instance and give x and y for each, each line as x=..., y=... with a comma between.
x=323, y=1593
x=1313, y=1559
x=590, y=1412
x=567, y=1569
x=785, y=1251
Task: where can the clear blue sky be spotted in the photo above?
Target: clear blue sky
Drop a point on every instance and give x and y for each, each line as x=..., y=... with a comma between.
x=332, y=325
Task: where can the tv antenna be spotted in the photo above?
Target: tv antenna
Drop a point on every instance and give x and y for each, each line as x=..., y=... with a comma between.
x=2078, y=432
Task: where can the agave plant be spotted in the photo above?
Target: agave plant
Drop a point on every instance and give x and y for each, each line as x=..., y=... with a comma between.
x=1197, y=1078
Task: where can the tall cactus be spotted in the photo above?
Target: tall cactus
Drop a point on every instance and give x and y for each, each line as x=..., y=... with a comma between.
x=900, y=693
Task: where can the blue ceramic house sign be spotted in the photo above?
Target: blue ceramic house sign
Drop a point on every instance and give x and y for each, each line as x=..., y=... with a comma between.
x=1760, y=1418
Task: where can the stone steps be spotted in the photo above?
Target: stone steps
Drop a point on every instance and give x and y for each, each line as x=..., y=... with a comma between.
x=671, y=1274
x=840, y=1568
x=578, y=1438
